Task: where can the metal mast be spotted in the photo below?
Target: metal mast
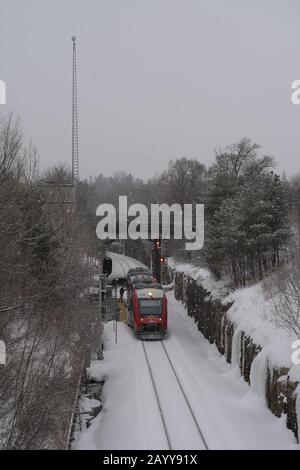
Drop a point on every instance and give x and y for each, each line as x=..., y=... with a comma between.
x=75, y=158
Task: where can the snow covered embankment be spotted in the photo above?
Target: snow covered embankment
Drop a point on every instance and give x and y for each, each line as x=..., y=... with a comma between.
x=238, y=324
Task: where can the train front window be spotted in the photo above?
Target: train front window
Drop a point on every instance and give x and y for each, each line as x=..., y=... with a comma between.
x=150, y=306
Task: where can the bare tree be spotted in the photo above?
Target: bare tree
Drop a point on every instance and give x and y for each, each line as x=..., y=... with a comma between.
x=42, y=283
x=283, y=289
x=10, y=145
x=235, y=158
x=30, y=163
x=185, y=180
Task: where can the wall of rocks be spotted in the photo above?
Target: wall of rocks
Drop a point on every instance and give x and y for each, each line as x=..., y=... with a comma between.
x=213, y=321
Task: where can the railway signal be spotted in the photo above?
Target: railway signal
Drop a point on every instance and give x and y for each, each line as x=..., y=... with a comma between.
x=107, y=266
x=156, y=259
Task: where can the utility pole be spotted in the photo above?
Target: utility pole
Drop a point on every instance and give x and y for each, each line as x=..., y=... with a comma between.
x=75, y=157
x=156, y=260
x=74, y=184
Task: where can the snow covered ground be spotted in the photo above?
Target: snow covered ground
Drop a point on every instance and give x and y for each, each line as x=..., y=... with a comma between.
x=218, y=289
x=253, y=313
x=230, y=414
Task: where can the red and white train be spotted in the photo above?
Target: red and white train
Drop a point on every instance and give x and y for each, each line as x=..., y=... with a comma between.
x=146, y=305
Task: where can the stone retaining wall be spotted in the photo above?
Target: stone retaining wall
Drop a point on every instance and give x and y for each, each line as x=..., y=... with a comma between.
x=212, y=320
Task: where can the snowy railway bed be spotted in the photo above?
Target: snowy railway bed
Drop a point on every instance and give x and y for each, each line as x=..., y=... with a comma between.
x=181, y=428
x=138, y=414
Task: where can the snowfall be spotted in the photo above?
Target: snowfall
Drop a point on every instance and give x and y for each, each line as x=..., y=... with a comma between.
x=231, y=414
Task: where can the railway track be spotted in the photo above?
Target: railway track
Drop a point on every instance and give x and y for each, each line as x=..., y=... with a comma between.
x=179, y=422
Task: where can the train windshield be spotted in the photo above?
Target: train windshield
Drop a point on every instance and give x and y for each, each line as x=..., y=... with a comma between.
x=150, y=306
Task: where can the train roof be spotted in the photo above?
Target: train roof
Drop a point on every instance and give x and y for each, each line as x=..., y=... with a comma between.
x=152, y=285
x=145, y=281
x=150, y=293
x=138, y=272
x=137, y=269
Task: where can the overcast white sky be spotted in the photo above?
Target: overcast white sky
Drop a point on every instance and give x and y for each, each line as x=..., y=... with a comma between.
x=158, y=79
